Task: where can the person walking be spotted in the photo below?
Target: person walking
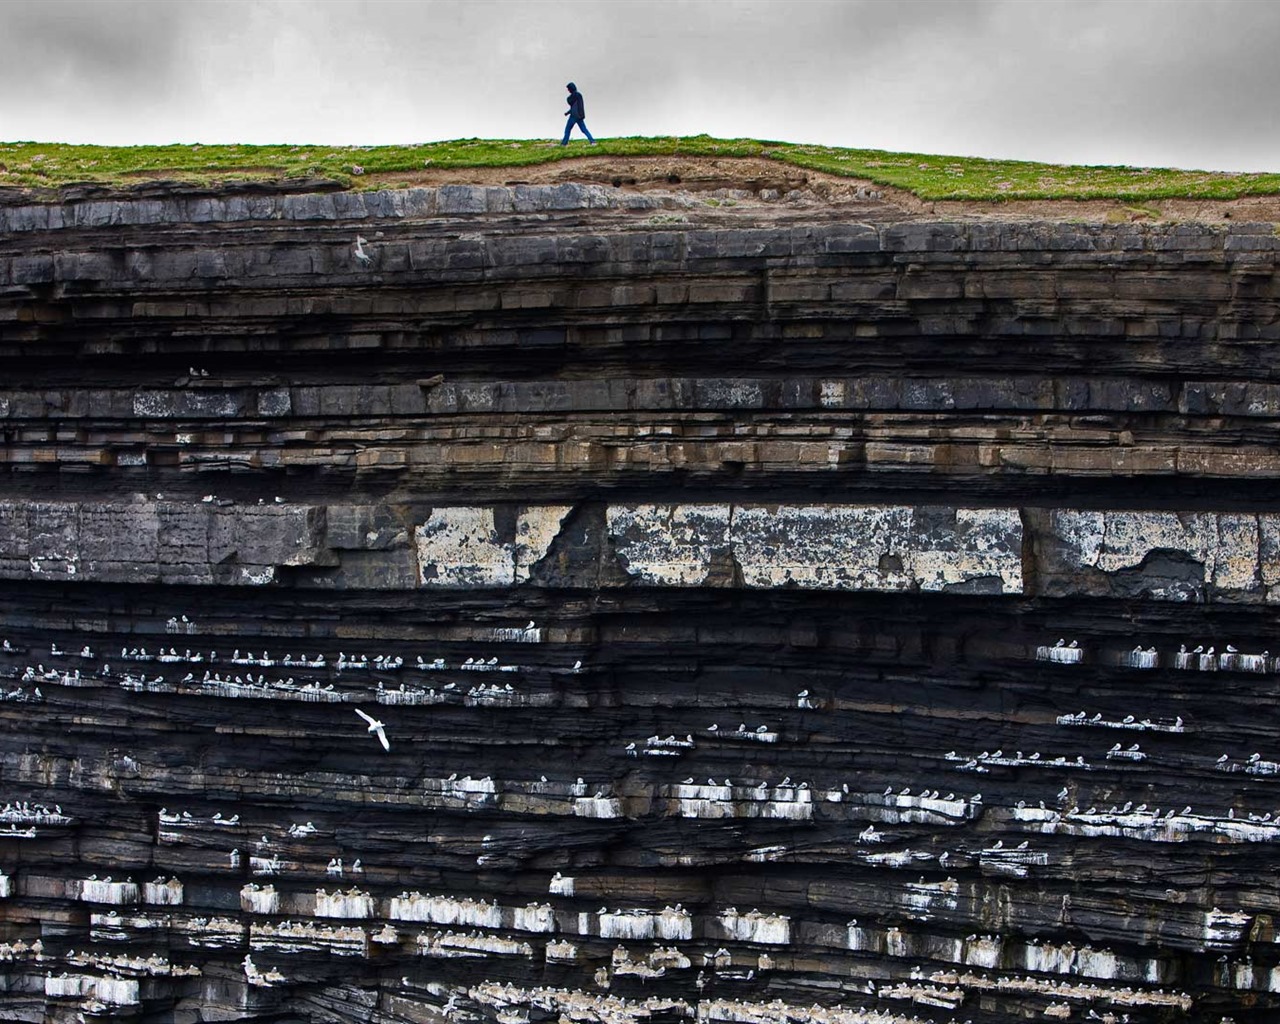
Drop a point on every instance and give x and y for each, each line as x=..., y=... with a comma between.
x=576, y=114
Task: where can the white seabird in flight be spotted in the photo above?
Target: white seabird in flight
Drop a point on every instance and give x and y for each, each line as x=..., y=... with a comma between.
x=376, y=728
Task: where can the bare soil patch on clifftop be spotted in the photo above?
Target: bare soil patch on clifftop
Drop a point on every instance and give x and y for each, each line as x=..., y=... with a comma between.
x=752, y=181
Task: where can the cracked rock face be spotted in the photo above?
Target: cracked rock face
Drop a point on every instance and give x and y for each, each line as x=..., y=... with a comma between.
x=822, y=547
x=592, y=606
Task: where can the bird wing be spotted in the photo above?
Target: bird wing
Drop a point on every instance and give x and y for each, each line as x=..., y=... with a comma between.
x=382, y=738
x=367, y=718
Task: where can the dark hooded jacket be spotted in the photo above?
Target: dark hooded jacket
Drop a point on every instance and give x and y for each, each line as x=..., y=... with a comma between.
x=576, y=109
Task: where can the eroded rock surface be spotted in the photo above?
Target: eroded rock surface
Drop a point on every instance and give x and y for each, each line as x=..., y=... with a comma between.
x=827, y=617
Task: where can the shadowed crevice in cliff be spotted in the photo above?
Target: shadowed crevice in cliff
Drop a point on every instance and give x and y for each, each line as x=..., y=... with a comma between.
x=1161, y=574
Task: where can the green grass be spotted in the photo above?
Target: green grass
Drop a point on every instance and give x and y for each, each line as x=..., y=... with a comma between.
x=39, y=164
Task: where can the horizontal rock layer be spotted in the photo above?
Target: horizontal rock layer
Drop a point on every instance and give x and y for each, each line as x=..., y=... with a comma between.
x=1197, y=556
x=587, y=344
x=753, y=614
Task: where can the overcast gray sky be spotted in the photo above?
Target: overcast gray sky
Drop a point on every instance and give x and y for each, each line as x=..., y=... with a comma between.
x=1190, y=83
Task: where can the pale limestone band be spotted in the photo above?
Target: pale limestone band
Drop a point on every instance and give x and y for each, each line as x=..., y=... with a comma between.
x=1160, y=555
x=866, y=547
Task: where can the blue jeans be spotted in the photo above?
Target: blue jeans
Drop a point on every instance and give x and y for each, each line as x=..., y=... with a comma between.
x=568, y=127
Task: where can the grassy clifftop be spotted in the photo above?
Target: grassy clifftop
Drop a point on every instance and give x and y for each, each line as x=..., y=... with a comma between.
x=39, y=164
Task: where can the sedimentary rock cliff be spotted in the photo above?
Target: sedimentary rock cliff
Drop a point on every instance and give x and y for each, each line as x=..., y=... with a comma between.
x=772, y=612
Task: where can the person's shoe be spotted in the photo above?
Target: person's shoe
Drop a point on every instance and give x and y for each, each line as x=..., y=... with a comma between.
x=593, y=142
